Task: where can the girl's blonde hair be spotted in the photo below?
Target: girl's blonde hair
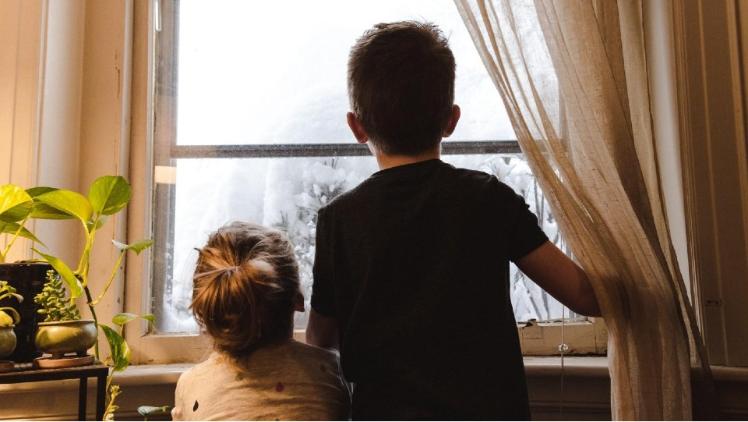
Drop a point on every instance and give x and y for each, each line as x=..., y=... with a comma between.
x=245, y=284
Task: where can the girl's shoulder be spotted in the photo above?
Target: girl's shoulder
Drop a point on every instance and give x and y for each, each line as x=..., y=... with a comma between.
x=312, y=352
x=204, y=369
x=292, y=356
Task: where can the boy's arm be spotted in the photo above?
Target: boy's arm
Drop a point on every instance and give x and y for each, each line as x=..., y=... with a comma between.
x=322, y=331
x=322, y=328
x=561, y=277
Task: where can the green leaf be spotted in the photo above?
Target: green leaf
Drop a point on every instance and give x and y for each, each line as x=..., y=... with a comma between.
x=38, y=190
x=17, y=213
x=14, y=203
x=136, y=247
x=125, y=317
x=12, y=228
x=43, y=211
x=146, y=411
x=96, y=225
x=67, y=202
x=66, y=273
x=119, y=349
x=109, y=194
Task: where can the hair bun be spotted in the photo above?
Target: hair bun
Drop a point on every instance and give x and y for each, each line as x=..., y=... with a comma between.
x=243, y=289
x=258, y=270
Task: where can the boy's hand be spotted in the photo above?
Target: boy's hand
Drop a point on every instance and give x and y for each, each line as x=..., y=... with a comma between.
x=561, y=277
x=322, y=331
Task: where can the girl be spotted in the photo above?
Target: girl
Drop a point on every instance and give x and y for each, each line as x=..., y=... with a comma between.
x=246, y=289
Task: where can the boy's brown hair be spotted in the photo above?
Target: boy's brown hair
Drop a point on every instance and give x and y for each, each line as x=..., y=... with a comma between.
x=401, y=85
x=245, y=284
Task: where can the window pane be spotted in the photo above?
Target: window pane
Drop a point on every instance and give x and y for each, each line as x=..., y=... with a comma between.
x=275, y=72
x=286, y=193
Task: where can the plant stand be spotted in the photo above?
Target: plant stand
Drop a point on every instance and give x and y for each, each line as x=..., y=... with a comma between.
x=82, y=373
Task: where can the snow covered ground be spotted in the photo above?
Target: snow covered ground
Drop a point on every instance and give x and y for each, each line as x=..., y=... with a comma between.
x=286, y=193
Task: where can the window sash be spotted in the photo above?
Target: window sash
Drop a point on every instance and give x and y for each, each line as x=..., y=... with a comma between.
x=154, y=144
x=349, y=149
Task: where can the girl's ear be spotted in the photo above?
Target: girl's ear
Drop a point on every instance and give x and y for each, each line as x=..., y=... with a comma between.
x=298, y=302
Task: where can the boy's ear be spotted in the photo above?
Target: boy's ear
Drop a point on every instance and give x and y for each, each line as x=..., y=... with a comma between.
x=357, y=128
x=452, y=122
x=298, y=302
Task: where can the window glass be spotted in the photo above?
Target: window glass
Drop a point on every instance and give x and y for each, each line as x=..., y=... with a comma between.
x=286, y=193
x=275, y=72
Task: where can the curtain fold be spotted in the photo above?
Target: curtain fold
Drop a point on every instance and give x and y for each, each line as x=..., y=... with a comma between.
x=573, y=78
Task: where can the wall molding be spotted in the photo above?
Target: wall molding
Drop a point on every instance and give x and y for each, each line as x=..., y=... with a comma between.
x=715, y=173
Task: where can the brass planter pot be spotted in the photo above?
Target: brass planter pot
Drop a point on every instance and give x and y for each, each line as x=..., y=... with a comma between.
x=7, y=341
x=61, y=337
x=28, y=278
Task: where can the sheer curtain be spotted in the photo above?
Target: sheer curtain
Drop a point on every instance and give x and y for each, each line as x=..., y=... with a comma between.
x=573, y=78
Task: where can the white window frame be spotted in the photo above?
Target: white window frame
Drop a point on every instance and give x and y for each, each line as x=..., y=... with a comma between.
x=581, y=337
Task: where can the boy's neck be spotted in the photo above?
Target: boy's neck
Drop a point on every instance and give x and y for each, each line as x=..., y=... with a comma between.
x=387, y=161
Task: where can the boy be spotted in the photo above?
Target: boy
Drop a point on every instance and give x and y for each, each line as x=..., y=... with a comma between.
x=411, y=269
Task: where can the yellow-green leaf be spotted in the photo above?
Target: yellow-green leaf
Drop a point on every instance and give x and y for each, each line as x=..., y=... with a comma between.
x=66, y=273
x=120, y=351
x=38, y=190
x=9, y=320
x=136, y=247
x=45, y=212
x=125, y=317
x=14, y=203
x=68, y=202
x=109, y=194
x=147, y=411
x=13, y=228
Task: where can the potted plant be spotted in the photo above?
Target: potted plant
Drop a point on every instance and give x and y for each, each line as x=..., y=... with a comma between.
x=9, y=317
x=107, y=196
x=26, y=278
x=62, y=331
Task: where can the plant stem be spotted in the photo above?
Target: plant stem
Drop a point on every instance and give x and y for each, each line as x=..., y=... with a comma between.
x=13, y=240
x=111, y=278
x=91, y=307
x=85, y=257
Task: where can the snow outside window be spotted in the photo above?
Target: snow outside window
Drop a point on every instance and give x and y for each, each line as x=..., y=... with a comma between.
x=250, y=125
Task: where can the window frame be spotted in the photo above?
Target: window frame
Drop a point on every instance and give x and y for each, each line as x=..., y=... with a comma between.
x=154, y=118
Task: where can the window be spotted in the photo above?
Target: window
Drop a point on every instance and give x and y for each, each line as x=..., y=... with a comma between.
x=250, y=103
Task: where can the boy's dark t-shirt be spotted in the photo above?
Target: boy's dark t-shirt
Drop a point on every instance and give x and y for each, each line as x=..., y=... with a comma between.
x=414, y=266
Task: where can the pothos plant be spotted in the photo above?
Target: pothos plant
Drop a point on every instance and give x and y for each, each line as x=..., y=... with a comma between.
x=16, y=208
x=107, y=196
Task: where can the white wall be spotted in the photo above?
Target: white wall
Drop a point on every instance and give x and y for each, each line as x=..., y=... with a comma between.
x=60, y=117
x=21, y=65
x=64, y=115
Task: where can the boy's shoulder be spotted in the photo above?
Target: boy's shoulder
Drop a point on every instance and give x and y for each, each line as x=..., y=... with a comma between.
x=459, y=179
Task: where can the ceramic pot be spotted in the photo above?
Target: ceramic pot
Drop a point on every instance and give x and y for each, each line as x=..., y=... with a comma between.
x=60, y=337
x=28, y=279
x=7, y=341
